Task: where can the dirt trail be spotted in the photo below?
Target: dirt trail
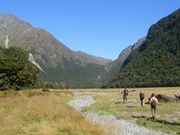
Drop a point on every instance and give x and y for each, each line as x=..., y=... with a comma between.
x=112, y=125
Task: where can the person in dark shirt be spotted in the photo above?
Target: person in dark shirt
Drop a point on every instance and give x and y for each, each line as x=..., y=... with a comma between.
x=142, y=96
x=125, y=94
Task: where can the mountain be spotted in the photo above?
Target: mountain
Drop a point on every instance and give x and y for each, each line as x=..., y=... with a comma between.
x=59, y=65
x=92, y=59
x=157, y=61
x=113, y=67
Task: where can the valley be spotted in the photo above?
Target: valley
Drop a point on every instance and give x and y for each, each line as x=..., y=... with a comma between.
x=49, y=86
x=86, y=112
x=152, y=61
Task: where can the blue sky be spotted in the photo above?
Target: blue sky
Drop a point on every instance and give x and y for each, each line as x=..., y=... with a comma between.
x=98, y=27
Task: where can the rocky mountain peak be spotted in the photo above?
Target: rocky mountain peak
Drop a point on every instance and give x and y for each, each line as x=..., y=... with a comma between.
x=11, y=25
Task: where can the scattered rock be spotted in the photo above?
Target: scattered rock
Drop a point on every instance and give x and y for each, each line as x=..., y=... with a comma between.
x=164, y=98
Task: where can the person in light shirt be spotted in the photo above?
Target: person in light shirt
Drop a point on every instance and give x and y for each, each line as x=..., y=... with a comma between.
x=177, y=95
x=153, y=103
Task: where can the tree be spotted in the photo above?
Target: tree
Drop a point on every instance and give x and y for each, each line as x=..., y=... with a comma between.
x=15, y=70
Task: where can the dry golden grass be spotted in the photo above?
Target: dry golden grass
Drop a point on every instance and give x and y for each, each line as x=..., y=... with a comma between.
x=41, y=113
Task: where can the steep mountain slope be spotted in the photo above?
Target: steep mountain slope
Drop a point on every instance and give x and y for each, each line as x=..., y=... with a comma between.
x=113, y=67
x=157, y=61
x=60, y=65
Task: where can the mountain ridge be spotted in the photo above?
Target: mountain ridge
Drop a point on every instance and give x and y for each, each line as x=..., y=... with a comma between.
x=24, y=27
x=51, y=54
x=113, y=67
x=156, y=62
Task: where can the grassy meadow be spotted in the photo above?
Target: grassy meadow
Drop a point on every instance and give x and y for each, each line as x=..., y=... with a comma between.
x=110, y=102
x=34, y=112
x=37, y=112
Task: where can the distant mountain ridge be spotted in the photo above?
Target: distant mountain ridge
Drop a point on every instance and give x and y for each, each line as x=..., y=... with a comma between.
x=113, y=67
x=51, y=54
x=92, y=59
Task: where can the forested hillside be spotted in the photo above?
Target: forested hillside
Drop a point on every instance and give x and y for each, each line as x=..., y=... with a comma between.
x=157, y=61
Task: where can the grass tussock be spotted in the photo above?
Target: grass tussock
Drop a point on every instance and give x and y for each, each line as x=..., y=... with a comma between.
x=41, y=113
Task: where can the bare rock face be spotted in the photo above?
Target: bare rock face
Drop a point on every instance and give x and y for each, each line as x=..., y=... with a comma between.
x=12, y=26
x=32, y=60
x=6, y=42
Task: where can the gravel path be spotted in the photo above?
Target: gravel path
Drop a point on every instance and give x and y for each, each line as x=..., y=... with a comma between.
x=112, y=125
x=81, y=101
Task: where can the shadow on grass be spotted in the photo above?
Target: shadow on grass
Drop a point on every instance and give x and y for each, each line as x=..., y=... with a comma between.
x=157, y=124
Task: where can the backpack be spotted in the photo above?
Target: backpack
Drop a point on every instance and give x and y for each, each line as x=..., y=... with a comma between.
x=153, y=103
x=126, y=93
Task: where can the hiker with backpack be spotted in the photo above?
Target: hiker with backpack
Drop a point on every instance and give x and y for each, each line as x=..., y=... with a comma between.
x=177, y=95
x=142, y=96
x=125, y=94
x=153, y=103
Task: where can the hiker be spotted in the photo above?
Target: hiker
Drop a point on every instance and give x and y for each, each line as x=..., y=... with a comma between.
x=177, y=95
x=142, y=96
x=125, y=94
x=153, y=103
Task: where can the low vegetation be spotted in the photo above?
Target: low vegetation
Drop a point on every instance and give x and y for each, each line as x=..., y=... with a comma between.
x=110, y=102
x=35, y=112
